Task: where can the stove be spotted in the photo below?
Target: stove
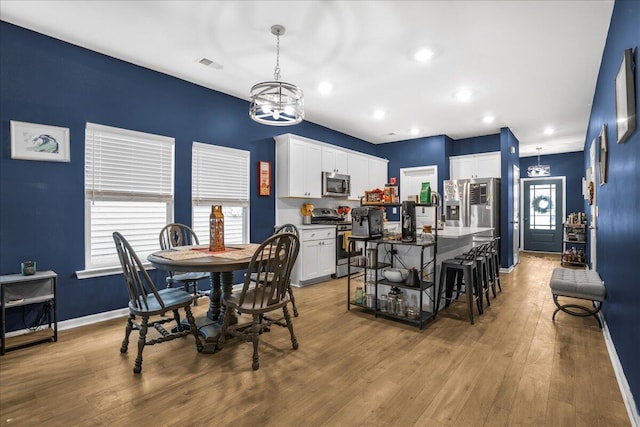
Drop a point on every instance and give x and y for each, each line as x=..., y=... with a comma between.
x=327, y=216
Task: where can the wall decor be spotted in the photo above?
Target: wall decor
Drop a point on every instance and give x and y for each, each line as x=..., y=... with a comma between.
x=604, y=151
x=30, y=141
x=625, y=98
x=264, y=178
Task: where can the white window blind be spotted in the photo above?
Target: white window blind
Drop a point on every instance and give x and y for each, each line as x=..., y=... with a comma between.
x=128, y=188
x=220, y=176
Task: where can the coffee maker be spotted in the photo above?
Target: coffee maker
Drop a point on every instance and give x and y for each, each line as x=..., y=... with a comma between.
x=366, y=221
x=408, y=221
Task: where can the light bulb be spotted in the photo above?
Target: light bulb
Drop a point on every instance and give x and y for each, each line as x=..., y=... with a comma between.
x=276, y=115
x=288, y=110
x=266, y=108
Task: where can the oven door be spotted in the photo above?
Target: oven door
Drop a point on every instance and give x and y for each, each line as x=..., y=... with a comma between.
x=342, y=256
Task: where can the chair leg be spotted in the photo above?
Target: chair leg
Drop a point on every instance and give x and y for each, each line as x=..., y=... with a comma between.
x=287, y=318
x=469, y=291
x=176, y=317
x=293, y=300
x=255, y=339
x=194, y=329
x=497, y=264
x=137, y=368
x=127, y=333
x=223, y=331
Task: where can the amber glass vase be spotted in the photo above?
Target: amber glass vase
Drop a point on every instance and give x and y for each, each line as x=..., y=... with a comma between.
x=216, y=229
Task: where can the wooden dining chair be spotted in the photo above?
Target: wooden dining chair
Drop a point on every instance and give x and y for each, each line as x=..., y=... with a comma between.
x=272, y=263
x=146, y=301
x=173, y=235
x=287, y=228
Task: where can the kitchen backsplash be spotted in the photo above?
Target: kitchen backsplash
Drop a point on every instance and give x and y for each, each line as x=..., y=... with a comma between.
x=288, y=209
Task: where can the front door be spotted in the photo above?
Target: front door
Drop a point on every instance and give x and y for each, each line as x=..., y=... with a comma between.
x=542, y=215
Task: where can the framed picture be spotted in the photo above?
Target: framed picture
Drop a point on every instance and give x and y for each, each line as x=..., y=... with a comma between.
x=30, y=141
x=625, y=98
x=604, y=157
x=264, y=178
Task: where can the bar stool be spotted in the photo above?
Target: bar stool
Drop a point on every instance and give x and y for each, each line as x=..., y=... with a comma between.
x=450, y=269
x=494, y=267
x=482, y=266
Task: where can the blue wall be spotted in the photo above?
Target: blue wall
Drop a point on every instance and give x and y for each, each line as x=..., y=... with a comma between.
x=508, y=143
x=476, y=145
x=570, y=165
x=618, y=222
x=47, y=81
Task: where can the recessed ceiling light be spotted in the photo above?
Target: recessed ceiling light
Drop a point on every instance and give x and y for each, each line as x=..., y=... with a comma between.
x=488, y=119
x=423, y=55
x=549, y=131
x=463, y=95
x=414, y=131
x=325, y=88
x=378, y=114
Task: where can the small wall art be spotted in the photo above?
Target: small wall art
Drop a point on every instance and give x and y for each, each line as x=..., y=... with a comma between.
x=625, y=98
x=30, y=141
x=264, y=178
x=604, y=155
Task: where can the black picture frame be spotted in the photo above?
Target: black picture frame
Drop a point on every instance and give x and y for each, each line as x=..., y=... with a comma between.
x=603, y=159
x=625, y=97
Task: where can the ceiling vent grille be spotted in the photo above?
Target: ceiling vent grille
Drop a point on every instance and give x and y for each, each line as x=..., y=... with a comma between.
x=209, y=63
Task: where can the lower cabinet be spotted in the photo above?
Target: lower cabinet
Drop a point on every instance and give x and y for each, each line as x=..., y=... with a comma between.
x=317, y=257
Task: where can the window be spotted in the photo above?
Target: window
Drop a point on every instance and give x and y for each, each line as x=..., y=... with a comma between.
x=220, y=176
x=128, y=188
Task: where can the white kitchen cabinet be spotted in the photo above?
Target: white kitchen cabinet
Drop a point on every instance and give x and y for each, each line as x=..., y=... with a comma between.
x=358, y=170
x=334, y=160
x=377, y=173
x=366, y=174
x=317, y=258
x=298, y=168
x=485, y=165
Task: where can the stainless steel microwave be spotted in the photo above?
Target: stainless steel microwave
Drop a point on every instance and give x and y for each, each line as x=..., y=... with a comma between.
x=335, y=185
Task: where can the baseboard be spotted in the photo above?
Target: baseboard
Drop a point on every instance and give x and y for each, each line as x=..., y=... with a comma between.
x=629, y=401
x=507, y=270
x=81, y=321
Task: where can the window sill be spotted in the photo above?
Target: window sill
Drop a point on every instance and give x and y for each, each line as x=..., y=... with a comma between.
x=105, y=271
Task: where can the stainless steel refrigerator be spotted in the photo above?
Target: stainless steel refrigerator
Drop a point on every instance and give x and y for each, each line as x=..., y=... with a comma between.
x=473, y=203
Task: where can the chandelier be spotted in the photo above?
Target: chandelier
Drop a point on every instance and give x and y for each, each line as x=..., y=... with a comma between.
x=539, y=170
x=277, y=103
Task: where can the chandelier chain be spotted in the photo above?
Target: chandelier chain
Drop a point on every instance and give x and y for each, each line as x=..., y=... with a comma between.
x=276, y=71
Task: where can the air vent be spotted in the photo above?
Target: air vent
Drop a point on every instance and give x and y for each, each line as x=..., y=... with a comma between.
x=209, y=63
x=391, y=134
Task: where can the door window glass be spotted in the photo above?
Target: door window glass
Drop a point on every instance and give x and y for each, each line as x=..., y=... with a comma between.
x=542, y=210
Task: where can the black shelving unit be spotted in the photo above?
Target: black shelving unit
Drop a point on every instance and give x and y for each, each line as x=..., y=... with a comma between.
x=423, y=287
x=580, y=245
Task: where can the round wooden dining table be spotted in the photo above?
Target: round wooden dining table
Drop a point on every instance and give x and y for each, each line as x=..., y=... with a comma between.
x=220, y=265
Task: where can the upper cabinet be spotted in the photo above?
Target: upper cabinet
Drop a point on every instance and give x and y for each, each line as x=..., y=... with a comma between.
x=334, y=160
x=366, y=173
x=300, y=162
x=377, y=173
x=485, y=165
x=298, y=168
x=358, y=168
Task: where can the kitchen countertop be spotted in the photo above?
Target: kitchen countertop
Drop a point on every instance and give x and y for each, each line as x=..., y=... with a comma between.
x=311, y=226
x=457, y=232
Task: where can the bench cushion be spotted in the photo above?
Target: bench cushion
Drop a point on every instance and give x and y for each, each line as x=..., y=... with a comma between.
x=585, y=284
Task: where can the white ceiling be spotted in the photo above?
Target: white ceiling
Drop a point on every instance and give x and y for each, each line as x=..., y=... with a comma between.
x=531, y=64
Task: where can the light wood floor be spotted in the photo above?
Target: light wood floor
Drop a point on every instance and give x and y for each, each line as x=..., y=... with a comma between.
x=513, y=367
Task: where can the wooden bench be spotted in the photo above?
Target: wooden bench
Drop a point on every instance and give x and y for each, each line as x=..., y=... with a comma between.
x=581, y=284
